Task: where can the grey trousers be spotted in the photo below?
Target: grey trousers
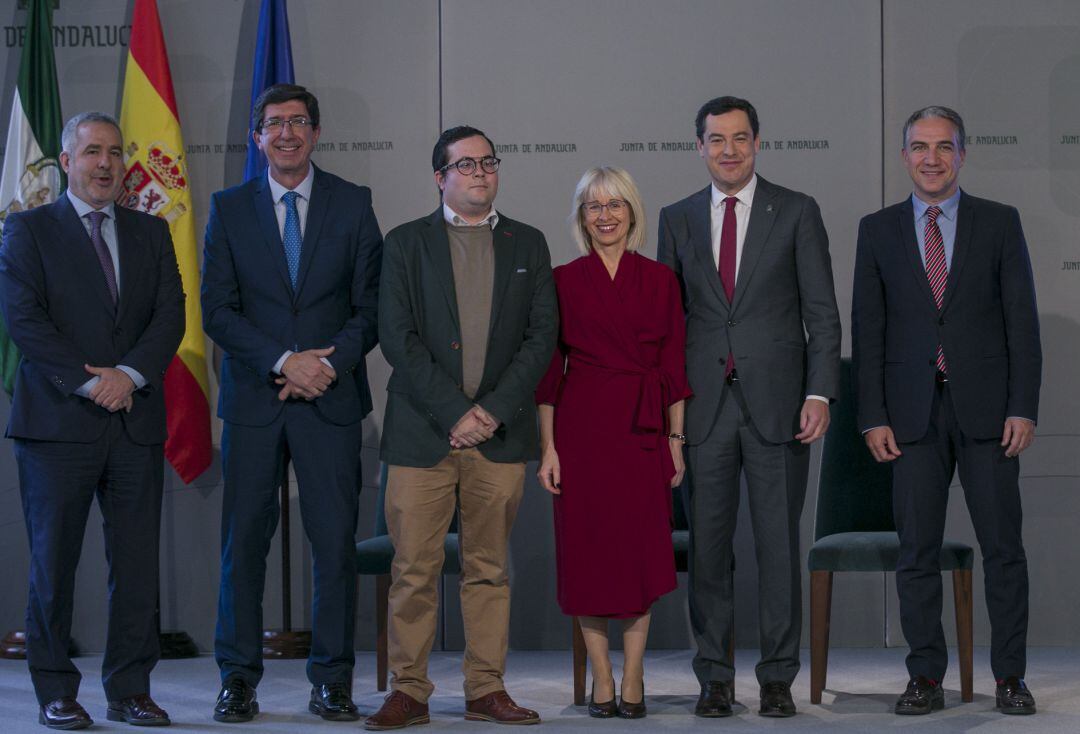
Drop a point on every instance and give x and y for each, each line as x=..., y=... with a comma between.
x=776, y=481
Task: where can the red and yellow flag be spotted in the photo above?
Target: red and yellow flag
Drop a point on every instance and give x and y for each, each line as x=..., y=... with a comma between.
x=157, y=183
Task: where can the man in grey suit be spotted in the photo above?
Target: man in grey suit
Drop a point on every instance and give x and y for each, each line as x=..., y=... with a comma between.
x=948, y=365
x=467, y=320
x=763, y=359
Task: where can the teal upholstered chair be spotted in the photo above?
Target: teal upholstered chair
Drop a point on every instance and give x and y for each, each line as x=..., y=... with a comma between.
x=680, y=539
x=855, y=532
x=373, y=558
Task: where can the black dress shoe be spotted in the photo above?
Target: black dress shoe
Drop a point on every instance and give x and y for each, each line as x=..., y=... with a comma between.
x=1013, y=696
x=64, y=713
x=629, y=710
x=921, y=697
x=333, y=702
x=715, y=699
x=236, y=702
x=776, y=700
x=138, y=710
x=605, y=710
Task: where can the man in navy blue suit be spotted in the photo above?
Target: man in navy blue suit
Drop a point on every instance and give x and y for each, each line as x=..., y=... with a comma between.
x=93, y=300
x=290, y=292
x=948, y=365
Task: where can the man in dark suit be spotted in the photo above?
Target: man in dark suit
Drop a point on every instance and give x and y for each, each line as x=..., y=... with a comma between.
x=763, y=359
x=92, y=297
x=948, y=363
x=290, y=291
x=467, y=319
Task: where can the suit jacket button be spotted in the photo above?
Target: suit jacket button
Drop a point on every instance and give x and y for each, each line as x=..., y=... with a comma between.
x=455, y=345
x=941, y=322
x=732, y=322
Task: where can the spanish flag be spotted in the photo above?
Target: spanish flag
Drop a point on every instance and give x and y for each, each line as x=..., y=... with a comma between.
x=157, y=183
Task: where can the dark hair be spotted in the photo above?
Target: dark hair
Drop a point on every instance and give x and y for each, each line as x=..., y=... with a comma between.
x=449, y=137
x=721, y=105
x=280, y=93
x=944, y=113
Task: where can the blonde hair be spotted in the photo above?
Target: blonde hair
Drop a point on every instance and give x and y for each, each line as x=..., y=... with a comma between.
x=616, y=183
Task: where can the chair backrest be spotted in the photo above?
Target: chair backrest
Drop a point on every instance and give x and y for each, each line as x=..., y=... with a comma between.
x=380, y=505
x=854, y=491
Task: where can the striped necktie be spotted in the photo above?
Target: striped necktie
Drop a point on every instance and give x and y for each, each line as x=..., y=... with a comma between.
x=937, y=272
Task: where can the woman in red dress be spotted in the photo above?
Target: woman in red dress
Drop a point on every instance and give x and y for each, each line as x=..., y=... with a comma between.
x=611, y=421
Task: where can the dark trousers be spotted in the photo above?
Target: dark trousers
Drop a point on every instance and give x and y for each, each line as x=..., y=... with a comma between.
x=921, y=478
x=58, y=481
x=776, y=482
x=326, y=458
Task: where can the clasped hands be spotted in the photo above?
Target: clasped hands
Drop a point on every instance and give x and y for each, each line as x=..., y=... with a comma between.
x=475, y=427
x=113, y=389
x=304, y=374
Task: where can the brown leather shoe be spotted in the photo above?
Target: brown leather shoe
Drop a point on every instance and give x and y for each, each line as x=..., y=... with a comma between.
x=499, y=708
x=139, y=710
x=64, y=713
x=398, y=711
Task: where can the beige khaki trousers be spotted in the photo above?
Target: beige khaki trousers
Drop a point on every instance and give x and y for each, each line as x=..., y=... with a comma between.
x=419, y=507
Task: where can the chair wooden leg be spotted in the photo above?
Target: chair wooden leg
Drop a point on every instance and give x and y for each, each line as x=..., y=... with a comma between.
x=382, y=599
x=579, y=661
x=964, y=634
x=820, y=608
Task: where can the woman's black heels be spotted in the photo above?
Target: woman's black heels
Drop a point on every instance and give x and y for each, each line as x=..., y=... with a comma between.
x=605, y=710
x=628, y=710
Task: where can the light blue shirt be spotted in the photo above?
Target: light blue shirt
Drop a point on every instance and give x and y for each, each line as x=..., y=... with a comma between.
x=946, y=222
x=108, y=233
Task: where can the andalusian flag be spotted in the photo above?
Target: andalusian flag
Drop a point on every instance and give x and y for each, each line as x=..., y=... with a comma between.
x=32, y=174
x=157, y=183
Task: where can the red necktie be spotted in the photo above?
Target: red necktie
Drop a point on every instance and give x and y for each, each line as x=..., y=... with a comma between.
x=937, y=271
x=726, y=267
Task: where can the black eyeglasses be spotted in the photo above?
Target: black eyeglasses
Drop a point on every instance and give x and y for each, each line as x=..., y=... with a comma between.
x=467, y=166
x=277, y=124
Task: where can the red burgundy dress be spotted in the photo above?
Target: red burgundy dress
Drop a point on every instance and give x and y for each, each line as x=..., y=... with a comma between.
x=619, y=363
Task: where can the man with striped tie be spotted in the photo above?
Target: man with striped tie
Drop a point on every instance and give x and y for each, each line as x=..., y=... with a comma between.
x=945, y=342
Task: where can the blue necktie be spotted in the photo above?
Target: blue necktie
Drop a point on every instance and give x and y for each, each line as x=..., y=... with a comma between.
x=292, y=240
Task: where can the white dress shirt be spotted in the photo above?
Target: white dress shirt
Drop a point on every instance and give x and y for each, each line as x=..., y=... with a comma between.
x=452, y=217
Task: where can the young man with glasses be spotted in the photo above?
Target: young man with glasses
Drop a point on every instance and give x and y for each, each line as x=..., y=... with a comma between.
x=467, y=320
x=290, y=291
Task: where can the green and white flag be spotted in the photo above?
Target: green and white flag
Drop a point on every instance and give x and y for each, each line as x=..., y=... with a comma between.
x=32, y=174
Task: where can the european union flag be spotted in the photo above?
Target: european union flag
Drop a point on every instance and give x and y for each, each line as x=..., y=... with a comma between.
x=273, y=65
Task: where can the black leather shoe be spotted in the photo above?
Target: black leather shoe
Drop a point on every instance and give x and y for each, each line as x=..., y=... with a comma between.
x=138, y=710
x=921, y=697
x=1013, y=696
x=236, y=702
x=629, y=710
x=776, y=700
x=333, y=702
x=64, y=713
x=715, y=699
x=605, y=710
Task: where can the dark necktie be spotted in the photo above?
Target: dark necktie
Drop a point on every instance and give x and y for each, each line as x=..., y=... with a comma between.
x=291, y=239
x=937, y=272
x=726, y=267
x=96, y=218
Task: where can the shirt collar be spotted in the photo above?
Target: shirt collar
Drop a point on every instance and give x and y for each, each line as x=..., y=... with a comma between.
x=82, y=208
x=452, y=217
x=746, y=195
x=948, y=207
x=303, y=188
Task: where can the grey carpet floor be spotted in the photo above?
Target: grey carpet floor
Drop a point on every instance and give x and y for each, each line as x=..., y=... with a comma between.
x=861, y=689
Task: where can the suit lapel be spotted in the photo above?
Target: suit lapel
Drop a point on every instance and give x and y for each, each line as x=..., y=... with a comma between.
x=131, y=256
x=83, y=257
x=319, y=204
x=965, y=216
x=762, y=215
x=264, y=212
x=504, y=244
x=910, y=243
x=437, y=245
x=701, y=240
